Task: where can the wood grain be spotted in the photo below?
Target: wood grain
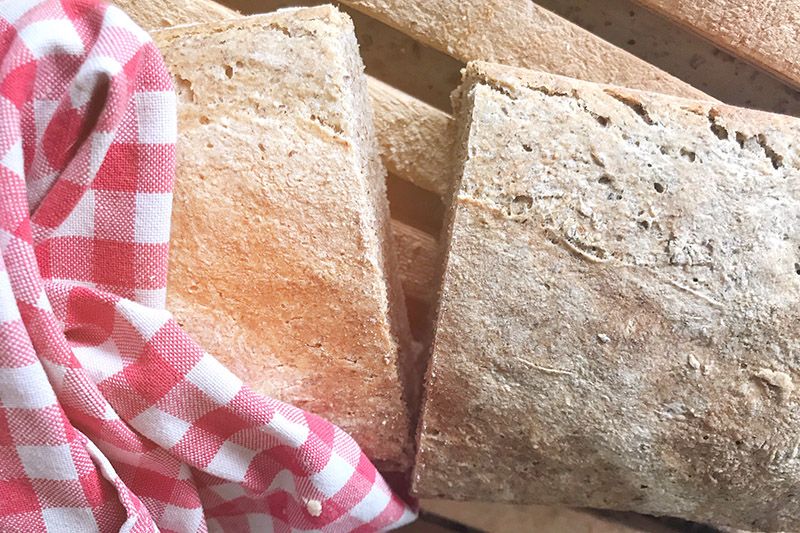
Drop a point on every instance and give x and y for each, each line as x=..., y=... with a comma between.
x=766, y=34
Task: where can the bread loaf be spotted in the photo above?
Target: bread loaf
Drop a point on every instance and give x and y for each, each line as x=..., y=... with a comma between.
x=413, y=136
x=617, y=323
x=281, y=262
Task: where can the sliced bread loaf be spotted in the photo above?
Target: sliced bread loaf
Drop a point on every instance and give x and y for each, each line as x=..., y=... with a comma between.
x=618, y=321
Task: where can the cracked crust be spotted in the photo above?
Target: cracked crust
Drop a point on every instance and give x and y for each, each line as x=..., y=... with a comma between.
x=617, y=325
x=280, y=259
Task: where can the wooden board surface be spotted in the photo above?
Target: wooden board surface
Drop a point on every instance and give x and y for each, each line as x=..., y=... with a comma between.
x=766, y=33
x=680, y=52
x=522, y=34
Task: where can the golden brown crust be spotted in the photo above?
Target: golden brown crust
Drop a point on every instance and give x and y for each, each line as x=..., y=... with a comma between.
x=278, y=264
x=617, y=325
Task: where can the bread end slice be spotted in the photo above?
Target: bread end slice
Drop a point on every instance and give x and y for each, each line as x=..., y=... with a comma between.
x=281, y=260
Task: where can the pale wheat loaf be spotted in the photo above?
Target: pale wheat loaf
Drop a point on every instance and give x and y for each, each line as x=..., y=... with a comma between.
x=388, y=54
x=403, y=125
x=617, y=323
x=280, y=262
x=413, y=135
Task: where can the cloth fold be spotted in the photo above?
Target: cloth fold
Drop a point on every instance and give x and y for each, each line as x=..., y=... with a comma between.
x=111, y=417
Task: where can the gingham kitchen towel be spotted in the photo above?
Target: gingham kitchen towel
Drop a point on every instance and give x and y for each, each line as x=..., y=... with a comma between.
x=110, y=416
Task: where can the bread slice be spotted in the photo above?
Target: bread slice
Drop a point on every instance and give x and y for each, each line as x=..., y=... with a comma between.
x=617, y=322
x=763, y=33
x=281, y=262
x=520, y=33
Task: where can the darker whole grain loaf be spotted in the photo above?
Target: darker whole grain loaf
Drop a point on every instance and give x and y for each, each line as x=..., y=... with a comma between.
x=618, y=321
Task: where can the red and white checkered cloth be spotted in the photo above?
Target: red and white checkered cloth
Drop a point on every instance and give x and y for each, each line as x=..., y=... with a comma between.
x=110, y=416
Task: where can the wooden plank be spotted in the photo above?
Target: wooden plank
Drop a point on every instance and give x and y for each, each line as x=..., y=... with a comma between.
x=764, y=33
x=503, y=517
x=520, y=33
x=681, y=52
x=417, y=261
x=415, y=138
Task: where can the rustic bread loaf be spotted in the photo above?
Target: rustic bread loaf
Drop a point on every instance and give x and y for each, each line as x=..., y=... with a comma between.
x=281, y=263
x=388, y=54
x=520, y=33
x=413, y=136
x=763, y=33
x=618, y=320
